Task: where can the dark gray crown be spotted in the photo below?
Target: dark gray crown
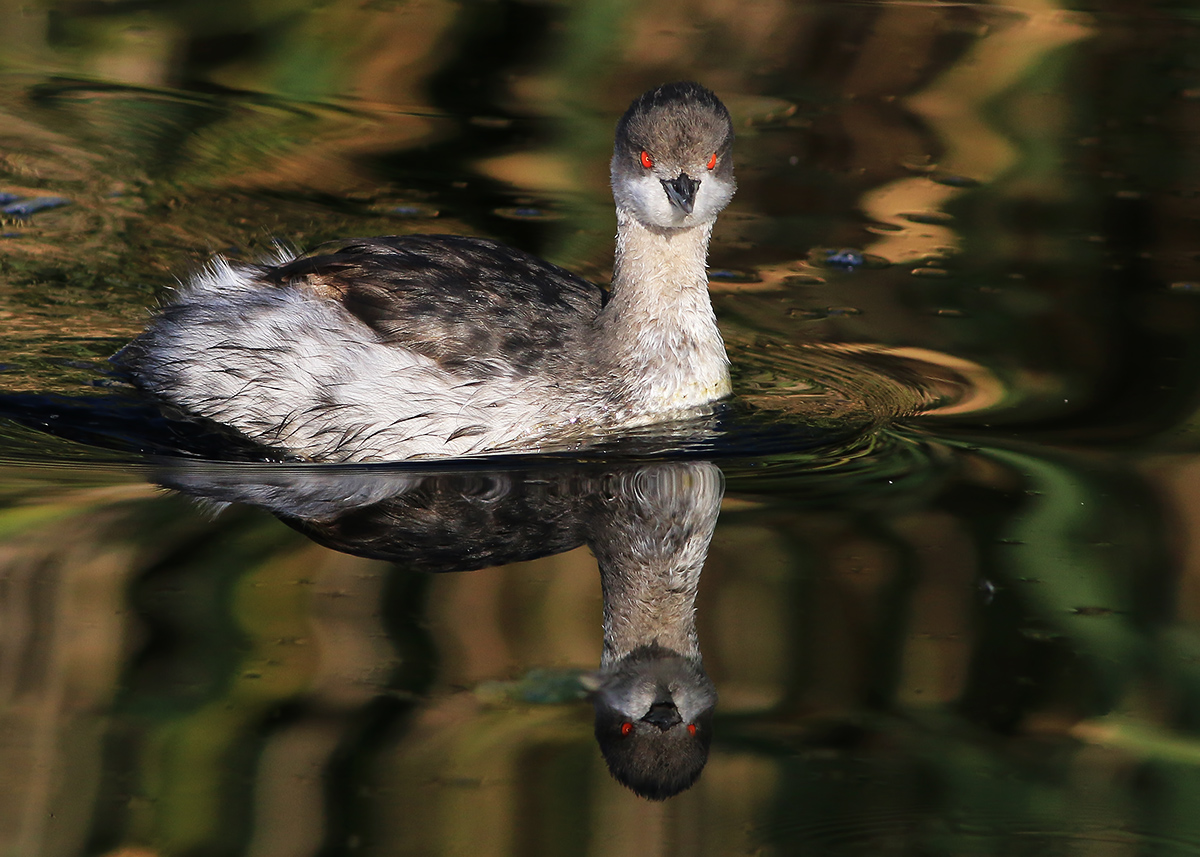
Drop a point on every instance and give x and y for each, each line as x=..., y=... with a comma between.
x=681, y=121
x=661, y=756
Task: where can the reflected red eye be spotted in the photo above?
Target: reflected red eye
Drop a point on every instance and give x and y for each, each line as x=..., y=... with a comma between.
x=712, y=162
x=647, y=161
x=692, y=726
x=626, y=728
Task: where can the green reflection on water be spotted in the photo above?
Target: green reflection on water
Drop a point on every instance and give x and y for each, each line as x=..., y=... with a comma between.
x=923, y=643
x=875, y=692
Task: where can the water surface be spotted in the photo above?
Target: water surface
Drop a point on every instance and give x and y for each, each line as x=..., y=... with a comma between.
x=950, y=603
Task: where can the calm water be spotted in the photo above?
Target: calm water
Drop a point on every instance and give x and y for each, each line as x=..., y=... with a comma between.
x=951, y=603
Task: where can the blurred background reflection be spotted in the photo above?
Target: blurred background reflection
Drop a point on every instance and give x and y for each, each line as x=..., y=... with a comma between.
x=951, y=601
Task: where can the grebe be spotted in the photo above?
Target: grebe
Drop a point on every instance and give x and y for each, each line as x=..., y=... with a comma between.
x=424, y=346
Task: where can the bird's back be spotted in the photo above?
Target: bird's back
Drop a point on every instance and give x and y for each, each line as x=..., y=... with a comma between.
x=381, y=348
x=472, y=305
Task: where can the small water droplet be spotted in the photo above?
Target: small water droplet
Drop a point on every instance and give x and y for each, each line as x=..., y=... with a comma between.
x=1093, y=611
x=729, y=275
x=1185, y=287
x=526, y=212
x=845, y=258
x=949, y=313
x=843, y=310
x=413, y=211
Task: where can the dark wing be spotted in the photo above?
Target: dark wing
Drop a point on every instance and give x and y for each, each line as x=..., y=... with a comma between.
x=456, y=300
x=459, y=521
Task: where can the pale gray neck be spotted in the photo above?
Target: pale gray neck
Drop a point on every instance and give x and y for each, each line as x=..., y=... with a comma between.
x=659, y=323
x=650, y=538
x=647, y=256
x=648, y=609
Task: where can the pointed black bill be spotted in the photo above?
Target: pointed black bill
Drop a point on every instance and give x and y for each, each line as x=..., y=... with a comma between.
x=681, y=191
x=664, y=715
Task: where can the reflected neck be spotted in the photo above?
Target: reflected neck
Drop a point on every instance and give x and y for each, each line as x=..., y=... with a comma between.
x=650, y=539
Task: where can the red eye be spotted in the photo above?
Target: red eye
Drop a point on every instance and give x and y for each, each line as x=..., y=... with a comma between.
x=692, y=726
x=626, y=728
x=712, y=162
x=647, y=161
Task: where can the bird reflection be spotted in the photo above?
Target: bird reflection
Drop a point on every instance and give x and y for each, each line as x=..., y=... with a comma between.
x=649, y=527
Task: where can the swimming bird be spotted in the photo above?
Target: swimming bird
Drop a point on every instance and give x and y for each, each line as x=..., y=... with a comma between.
x=426, y=346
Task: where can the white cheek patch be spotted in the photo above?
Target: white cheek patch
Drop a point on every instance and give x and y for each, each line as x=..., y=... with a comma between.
x=692, y=699
x=651, y=203
x=713, y=195
x=632, y=696
x=647, y=196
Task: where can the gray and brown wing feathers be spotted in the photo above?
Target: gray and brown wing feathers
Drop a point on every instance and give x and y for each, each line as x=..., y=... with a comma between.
x=470, y=304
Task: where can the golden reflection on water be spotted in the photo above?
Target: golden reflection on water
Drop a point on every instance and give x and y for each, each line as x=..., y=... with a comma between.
x=1027, y=35
x=989, y=646
x=800, y=618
